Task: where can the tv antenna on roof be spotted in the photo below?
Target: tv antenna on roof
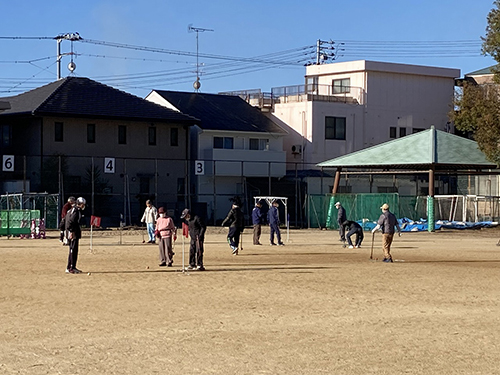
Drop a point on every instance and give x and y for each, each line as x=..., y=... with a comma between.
x=197, y=30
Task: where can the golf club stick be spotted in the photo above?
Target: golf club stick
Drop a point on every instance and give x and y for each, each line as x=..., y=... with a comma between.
x=241, y=241
x=373, y=239
x=197, y=249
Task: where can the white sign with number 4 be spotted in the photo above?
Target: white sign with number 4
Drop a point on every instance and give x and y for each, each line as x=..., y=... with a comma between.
x=109, y=165
x=8, y=163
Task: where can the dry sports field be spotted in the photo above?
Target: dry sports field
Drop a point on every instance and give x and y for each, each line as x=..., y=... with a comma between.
x=311, y=307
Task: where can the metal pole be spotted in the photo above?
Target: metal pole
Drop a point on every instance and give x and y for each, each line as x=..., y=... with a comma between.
x=269, y=175
x=124, y=191
x=59, y=56
x=215, y=193
x=93, y=186
x=156, y=181
x=296, y=196
x=24, y=175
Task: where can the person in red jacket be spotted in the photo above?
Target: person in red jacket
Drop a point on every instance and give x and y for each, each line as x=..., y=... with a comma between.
x=67, y=206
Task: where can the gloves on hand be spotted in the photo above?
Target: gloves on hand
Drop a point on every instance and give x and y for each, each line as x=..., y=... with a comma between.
x=374, y=230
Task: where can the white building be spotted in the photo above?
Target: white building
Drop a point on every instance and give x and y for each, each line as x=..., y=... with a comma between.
x=234, y=144
x=348, y=106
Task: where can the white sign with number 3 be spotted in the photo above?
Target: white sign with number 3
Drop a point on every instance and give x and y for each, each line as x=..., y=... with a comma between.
x=109, y=165
x=8, y=163
x=199, y=167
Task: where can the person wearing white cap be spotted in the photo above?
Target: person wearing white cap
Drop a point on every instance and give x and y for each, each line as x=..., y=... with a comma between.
x=387, y=222
x=341, y=217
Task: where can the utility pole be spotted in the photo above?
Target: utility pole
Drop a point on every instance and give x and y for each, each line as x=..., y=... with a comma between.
x=71, y=37
x=197, y=30
x=325, y=51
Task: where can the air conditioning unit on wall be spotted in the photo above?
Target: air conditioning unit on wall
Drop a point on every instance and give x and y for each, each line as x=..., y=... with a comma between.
x=297, y=149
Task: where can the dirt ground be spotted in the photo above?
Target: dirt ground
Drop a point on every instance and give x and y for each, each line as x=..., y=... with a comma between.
x=311, y=307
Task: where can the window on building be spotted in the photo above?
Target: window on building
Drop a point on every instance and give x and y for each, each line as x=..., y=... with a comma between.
x=152, y=136
x=90, y=133
x=342, y=189
x=58, y=132
x=174, y=136
x=341, y=86
x=122, y=135
x=258, y=144
x=73, y=183
x=335, y=128
x=224, y=142
x=180, y=189
x=416, y=130
x=402, y=132
x=144, y=185
x=6, y=135
x=392, y=132
x=387, y=189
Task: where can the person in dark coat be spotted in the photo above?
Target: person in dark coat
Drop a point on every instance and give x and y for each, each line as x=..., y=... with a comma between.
x=341, y=217
x=389, y=224
x=351, y=227
x=274, y=224
x=257, y=223
x=236, y=223
x=74, y=232
x=197, y=229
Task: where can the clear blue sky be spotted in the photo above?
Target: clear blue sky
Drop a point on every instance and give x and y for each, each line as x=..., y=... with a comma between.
x=272, y=32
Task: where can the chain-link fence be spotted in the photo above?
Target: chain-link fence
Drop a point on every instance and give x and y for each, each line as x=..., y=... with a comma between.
x=46, y=204
x=117, y=188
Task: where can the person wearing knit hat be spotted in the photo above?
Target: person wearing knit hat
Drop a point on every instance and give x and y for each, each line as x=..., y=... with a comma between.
x=236, y=223
x=166, y=231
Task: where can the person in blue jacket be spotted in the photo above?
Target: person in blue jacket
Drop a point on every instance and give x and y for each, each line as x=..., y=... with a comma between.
x=274, y=223
x=257, y=223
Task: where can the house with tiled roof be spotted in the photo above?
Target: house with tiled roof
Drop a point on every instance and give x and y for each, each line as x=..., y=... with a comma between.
x=63, y=135
x=481, y=76
x=236, y=149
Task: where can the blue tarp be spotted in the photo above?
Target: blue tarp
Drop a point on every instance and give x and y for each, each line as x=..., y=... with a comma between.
x=409, y=225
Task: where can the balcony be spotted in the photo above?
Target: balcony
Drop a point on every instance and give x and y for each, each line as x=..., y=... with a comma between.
x=316, y=92
x=249, y=163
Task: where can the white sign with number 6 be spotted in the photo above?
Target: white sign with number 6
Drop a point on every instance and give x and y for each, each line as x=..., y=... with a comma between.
x=109, y=165
x=199, y=168
x=8, y=163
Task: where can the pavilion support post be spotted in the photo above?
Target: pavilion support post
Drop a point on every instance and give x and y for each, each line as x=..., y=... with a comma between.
x=337, y=181
x=430, y=202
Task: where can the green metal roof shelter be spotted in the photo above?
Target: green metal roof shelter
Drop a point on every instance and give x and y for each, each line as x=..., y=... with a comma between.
x=430, y=151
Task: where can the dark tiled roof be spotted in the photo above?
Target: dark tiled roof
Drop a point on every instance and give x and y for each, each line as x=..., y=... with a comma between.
x=83, y=97
x=221, y=112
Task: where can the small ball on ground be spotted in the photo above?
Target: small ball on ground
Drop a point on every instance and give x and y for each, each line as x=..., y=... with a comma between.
x=89, y=274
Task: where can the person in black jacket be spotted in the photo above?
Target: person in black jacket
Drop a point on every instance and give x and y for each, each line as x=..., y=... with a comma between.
x=351, y=227
x=197, y=229
x=341, y=217
x=72, y=226
x=236, y=223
